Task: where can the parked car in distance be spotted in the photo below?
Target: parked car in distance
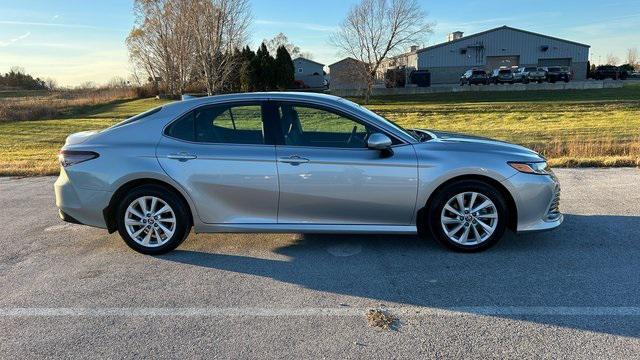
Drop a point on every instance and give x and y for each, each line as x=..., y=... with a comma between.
x=474, y=77
x=529, y=74
x=501, y=76
x=297, y=162
x=608, y=72
x=558, y=73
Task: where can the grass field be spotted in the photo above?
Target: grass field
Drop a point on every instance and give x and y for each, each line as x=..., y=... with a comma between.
x=572, y=128
x=31, y=147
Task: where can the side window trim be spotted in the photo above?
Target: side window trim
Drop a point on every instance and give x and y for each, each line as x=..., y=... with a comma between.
x=275, y=122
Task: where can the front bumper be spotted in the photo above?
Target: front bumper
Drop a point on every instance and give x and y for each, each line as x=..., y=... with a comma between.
x=537, y=200
x=79, y=205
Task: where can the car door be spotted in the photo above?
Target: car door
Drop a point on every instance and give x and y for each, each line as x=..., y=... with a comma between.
x=328, y=175
x=221, y=156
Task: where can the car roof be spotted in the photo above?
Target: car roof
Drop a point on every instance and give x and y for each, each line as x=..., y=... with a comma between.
x=255, y=96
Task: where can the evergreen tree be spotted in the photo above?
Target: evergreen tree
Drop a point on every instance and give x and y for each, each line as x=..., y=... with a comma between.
x=284, y=69
x=264, y=63
x=247, y=70
x=235, y=84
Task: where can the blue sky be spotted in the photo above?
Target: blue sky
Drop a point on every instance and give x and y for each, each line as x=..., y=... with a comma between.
x=74, y=41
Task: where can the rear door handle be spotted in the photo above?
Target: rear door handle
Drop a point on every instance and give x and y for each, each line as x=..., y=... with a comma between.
x=182, y=156
x=294, y=160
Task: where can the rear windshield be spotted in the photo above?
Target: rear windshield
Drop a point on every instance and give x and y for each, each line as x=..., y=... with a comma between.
x=477, y=72
x=530, y=69
x=138, y=117
x=555, y=69
x=505, y=71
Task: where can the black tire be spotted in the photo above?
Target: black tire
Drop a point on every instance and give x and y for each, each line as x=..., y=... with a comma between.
x=438, y=202
x=182, y=224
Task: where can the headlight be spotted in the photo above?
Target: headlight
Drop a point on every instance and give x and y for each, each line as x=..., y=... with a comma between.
x=539, y=168
x=69, y=157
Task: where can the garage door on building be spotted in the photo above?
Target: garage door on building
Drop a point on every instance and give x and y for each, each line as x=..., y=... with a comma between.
x=554, y=62
x=496, y=62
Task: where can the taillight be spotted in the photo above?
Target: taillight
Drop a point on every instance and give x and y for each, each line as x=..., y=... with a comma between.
x=71, y=157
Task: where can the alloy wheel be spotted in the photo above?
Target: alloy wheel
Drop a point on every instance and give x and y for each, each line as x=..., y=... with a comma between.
x=469, y=218
x=150, y=221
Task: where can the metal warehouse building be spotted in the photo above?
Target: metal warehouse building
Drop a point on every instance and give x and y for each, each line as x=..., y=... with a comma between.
x=503, y=46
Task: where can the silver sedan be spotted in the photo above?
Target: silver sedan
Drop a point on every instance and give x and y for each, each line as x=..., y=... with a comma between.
x=296, y=162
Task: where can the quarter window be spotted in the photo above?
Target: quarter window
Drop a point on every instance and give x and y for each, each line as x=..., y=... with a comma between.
x=221, y=124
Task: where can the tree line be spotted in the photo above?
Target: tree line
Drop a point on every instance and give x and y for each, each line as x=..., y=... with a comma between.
x=17, y=78
x=186, y=45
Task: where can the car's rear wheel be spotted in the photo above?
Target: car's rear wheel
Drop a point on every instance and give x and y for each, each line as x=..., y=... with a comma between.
x=152, y=220
x=467, y=216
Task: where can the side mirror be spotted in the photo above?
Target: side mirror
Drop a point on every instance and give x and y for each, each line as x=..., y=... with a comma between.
x=378, y=141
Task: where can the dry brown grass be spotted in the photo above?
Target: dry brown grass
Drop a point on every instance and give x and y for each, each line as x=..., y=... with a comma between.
x=592, y=152
x=49, y=105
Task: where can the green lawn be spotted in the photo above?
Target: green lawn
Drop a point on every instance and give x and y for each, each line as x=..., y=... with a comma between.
x=572, y=128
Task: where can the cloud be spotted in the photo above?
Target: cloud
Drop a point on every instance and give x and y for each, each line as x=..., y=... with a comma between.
x=49, y=24
x=306, y=26
x=11, y=41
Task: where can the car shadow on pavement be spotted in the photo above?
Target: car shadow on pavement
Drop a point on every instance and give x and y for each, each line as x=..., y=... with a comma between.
x=589, y=262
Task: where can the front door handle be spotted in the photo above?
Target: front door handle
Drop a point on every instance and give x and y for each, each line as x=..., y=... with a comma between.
x=294, y=160
x=182, y=156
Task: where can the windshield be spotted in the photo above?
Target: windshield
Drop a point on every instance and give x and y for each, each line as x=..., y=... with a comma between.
x=383, y=120
x=138, y=117
x=555, y=69
x=530, y=69
x=504, y=72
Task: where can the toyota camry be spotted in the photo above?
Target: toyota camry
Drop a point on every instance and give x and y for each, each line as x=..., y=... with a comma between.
x=298, y=162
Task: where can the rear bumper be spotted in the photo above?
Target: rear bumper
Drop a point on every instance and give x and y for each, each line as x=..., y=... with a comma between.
x=78, y=205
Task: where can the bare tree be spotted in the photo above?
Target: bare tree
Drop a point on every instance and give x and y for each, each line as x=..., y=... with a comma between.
x=612, y=59
x=376, y=29
x=218, y=28
x=160, y=43
x=117, y=82
x=632, y=57
x=282, y=40
x=87, y=85
x=51, y=84
x=17, y=69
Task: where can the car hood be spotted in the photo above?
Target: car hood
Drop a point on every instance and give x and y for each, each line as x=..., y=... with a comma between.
x=472, y=143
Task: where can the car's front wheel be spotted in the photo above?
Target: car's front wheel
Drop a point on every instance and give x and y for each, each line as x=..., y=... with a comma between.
x=152, y=220
x=468, y=216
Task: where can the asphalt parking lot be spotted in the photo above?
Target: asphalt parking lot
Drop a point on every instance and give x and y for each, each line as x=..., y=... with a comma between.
x=72, y=291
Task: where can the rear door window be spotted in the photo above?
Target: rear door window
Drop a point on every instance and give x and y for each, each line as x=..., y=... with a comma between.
x=224, y=124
